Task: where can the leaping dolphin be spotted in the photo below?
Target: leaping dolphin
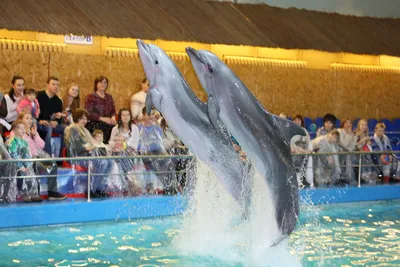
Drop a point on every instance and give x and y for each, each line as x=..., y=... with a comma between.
x=187, y=117
x=264, y=137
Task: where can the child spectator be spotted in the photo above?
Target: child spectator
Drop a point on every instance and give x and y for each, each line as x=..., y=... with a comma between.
x=19, y=149
x=302, y=164
x=29, y=104
x=386, y=161
x=327, y=167
x=151, y=143
x=7, y=170
x=368, y=172
x=98, y=137
x=283, y=115
x=348, y=141
x=42, y=168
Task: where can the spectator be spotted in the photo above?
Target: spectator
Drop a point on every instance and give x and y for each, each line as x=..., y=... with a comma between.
x=80, y=143
x=368, y=172
x=329, y=124
x=7, y=170
x=174, y=146
x=283, y=115
x=127, y=129
x=138, y=100
x=36, y=144
x=71, y=101
x=327, y=167
x=29, y=104
x=302, y=164
x=101, y=109
x=12, y=99
x=98, y=137
x=386, y=161
x=51, y=116
x=348, y=142
x=19, y=149
x=126, y=166
x=151, y=143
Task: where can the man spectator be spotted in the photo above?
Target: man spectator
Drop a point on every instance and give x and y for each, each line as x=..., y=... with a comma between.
x=51, y=116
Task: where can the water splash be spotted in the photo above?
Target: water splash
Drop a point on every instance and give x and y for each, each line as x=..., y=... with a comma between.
x=213, y=227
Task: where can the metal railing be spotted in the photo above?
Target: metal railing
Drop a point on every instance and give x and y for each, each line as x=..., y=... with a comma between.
x=90, y=172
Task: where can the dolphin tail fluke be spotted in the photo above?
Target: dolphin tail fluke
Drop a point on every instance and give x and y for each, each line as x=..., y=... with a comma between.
x=289, y=128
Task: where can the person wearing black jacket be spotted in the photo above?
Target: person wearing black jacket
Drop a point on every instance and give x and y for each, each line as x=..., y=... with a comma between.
x=51, y=116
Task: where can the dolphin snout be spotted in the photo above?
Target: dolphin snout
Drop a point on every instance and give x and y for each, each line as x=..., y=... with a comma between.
x=193, y=53
x=142, y=45
x=139, y=43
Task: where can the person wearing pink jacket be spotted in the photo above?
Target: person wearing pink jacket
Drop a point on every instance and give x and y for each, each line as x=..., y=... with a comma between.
x=36, y=145
x=29, y=104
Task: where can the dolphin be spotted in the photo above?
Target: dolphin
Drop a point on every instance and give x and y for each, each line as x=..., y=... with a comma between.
x=187, y=117
x=263, y=136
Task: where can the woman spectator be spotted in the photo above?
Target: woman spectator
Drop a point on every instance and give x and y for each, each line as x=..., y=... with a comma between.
x=36, y=146
x=79, y=143
x=348, y=141
x=101, y=109
x=127, y=129
x=138, y=100
x=13, y=97
x=71, y=101
x=368, y=172
x=124, y=141
x=302, y=164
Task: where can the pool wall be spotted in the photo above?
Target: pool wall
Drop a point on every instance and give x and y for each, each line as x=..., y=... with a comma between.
x=80, y=211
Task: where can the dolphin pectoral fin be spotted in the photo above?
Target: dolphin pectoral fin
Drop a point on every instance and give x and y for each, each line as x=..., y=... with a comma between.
x=289, y=128
x=213, y=112
x=153, y=98
x=149, y=103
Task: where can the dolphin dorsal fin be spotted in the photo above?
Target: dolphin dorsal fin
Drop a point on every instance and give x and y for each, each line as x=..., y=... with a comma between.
x=289, y=128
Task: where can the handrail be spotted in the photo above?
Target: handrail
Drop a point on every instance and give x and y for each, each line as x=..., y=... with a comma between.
x=346, y=153
x=184, y=156
x=95, y=158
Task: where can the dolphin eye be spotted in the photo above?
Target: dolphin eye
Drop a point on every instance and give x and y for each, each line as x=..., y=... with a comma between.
x=156, y=62
x=210, y=68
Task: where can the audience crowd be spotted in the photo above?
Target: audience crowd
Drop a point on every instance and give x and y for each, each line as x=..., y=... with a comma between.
x=29, y=121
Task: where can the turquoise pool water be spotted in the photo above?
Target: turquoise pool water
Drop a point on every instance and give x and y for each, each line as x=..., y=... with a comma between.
x=359, y=234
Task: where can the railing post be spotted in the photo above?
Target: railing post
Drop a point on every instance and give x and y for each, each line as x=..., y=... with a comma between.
x=359, y=171
x=89, y=181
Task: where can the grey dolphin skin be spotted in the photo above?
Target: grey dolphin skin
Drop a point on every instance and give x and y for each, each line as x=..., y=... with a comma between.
x=187, y=117
x=264, y=137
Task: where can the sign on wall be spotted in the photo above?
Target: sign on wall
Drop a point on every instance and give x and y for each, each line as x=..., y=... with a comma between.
x=76, y=39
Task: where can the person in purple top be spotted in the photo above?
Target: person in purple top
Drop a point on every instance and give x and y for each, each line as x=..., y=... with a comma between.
x=101, y=108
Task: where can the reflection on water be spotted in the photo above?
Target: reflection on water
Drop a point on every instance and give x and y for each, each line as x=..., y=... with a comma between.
x=357, y=235
x=336, y=235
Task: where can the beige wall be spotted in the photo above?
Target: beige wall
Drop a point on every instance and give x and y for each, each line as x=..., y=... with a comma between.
x=309, y=92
